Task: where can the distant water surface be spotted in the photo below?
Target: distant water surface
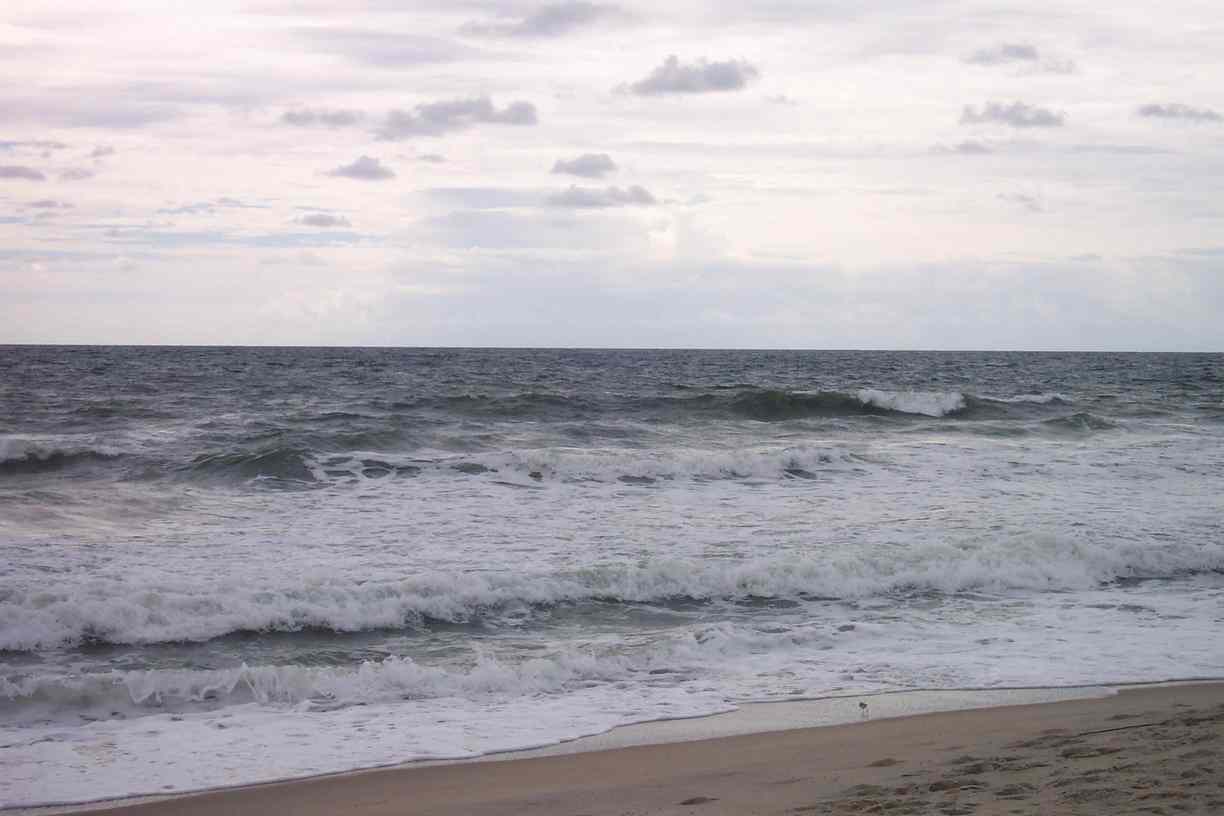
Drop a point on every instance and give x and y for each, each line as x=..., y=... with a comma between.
x=226, y=565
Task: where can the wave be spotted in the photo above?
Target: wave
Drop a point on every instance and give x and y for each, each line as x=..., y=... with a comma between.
x=730, y=401
x=282, y=464
x=21, y=456
x=1080, y=422
x=1046, y=398
x=392, y=679
x=610, y=465
x=109, y=612
x=769, y=406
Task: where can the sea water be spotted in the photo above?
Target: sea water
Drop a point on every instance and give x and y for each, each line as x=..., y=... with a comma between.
x=229, y=565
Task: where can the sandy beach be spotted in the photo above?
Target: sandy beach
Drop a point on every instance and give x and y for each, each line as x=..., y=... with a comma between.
x=1145, y=750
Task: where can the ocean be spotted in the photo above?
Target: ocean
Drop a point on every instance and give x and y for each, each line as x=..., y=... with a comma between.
x=229, y=565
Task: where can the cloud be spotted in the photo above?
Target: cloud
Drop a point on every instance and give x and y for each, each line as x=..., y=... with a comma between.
x=485, y=198
x=588, y=165
x=76, y=174
x=101, y=151
x=1175, y=110
x=365, y=168
x=1017, y=115
x=33, y=144
x=210, y=207
x=701, y=77
x=49, y=204
x=1029, y=202
x=554, y=230
x=324, y=220
x=1022, y=54
x=14, y=171
x=1004, y=53
x=322, y=118
x=432, y=158
x=595, y=198
x=550, y=20
x=387, y=49
x=118, y=107
x=436, y=118
x=972, y=148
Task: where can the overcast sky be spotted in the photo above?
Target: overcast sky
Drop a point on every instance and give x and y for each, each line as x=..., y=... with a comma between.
x=784, y=173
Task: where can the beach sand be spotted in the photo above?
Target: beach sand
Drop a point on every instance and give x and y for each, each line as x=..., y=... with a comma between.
x=1150, y=750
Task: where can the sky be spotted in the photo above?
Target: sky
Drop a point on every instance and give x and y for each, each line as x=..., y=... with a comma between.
x=774, y=174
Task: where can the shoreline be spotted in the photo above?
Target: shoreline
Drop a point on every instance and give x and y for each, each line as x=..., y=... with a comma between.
x=756, y=721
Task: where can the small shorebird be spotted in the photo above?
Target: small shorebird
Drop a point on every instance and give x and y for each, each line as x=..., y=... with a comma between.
x=863, y=710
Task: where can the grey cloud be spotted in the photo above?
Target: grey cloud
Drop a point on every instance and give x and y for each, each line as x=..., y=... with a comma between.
x=1176, y=110
x=14, y=171
x=1023, y=54
x=1017, y=115
x=1004, y=53
x=551, y=20
x=101, y=151
x=76, y=174
x=588, y=165
x=387, y=49
x=432, y=158
x=49, y=204
x=593, y=197
x=1028, y=202
x=365, y=168
x=322, y=117
x=672, y=77
x=436, y=118
x=324, y=220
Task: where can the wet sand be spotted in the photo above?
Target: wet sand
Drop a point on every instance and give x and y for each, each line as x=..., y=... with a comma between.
x=1147, y=750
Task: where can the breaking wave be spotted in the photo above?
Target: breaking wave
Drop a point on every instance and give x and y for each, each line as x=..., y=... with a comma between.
x=110, y=612
x=24, y=456
x=393, y=679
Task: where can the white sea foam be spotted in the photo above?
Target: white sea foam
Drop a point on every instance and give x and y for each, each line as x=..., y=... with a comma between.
x=260, y=723
x=35, y=617
x=391, y=680
x=927, y=403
